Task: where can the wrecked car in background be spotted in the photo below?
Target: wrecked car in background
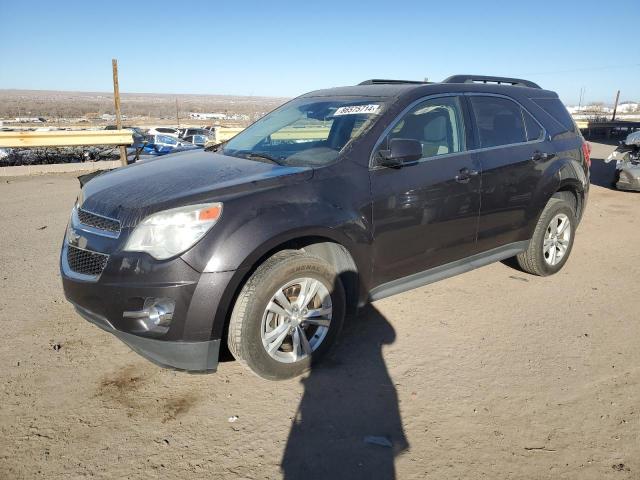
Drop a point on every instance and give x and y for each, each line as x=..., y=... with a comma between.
x=158, y=145
x=627, y=157
x=189, y=132
x=174, y=132
x=199, y=140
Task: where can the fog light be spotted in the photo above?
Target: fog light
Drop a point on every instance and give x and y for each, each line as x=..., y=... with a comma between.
x=155, y=316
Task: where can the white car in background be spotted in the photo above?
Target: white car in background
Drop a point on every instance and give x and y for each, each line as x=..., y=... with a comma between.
x=174, y=132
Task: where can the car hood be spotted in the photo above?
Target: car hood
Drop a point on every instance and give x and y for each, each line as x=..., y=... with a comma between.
x=134, y=192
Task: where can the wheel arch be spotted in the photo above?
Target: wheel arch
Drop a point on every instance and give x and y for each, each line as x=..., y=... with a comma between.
x=559, y=180
x=572, y=188
x=318, y=244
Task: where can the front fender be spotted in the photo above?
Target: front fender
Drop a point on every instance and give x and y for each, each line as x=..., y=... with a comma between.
x=252, y=230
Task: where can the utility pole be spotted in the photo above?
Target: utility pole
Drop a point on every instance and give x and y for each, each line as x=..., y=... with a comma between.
x=177, y=114
x=615, y=107
x=581, y=98
x=116, y=99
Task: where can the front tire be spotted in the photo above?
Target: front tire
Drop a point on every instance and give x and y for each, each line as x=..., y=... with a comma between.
x=287, y=315
x=552, y=239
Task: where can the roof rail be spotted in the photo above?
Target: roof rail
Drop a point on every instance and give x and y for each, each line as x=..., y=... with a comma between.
x=380, y=81
x=518, y=82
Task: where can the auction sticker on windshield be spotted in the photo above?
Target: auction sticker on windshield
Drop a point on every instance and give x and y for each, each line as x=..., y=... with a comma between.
x=355, y=109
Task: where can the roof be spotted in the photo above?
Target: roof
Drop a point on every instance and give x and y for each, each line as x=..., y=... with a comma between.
x=457, y=83
x=416, y=90
x=374, y=90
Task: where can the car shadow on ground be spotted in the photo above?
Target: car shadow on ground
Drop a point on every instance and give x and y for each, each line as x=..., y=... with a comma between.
x=348, y=422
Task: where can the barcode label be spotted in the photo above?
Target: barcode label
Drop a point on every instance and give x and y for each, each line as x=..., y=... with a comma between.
x=356, y=109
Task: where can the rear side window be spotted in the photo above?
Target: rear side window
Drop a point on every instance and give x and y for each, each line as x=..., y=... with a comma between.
x=555, y=108
x=499, y=121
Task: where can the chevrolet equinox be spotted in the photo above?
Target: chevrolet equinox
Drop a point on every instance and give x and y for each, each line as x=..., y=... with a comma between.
x=337, y=198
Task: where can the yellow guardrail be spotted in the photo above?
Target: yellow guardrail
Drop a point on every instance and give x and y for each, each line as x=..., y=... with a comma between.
x=225, y=133
x=306, y=133
x=65, y=138
x=303, y=133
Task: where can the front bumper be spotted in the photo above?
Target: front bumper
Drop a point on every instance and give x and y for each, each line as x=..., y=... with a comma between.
x=192, y=340
x=189, y=356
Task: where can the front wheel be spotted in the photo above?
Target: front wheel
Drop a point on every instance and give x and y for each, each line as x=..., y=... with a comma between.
x=552, y=239
x=287, y=315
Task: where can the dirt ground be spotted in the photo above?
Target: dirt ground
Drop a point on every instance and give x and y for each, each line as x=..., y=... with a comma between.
x=492, y=374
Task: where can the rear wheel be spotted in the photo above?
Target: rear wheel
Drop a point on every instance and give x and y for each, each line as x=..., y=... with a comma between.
x=552, y=239
x=287, y=315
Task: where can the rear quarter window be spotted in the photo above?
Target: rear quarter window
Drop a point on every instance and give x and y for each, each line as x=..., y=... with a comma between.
x=534, y=130
x=555, y=108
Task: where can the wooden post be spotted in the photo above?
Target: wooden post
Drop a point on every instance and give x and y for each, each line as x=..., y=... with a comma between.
x=116, y=99
x=177, y=114
x=615, y=107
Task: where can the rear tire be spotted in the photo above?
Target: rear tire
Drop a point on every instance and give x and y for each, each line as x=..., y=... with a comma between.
x=275, y=330
x=552, y=240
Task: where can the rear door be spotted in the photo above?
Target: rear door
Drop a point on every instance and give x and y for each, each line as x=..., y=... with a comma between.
x=425, y=214
x=511, y=150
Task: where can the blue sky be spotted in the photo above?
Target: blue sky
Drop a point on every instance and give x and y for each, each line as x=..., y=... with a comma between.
x=283, y=48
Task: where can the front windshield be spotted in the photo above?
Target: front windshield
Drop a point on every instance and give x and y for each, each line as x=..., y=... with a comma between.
x=307, y=131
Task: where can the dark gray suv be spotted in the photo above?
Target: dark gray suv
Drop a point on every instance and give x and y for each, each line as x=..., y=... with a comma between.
x=337, y=198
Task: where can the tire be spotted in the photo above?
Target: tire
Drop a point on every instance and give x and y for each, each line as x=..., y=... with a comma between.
x=536, y=259
x=253, y=323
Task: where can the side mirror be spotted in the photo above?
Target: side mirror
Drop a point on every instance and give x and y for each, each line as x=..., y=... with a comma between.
x=401, y=150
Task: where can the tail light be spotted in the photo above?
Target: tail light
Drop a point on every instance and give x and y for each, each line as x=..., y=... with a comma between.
x=586, y=150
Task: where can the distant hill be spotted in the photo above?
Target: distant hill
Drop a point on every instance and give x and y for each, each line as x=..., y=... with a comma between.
x=60, y=104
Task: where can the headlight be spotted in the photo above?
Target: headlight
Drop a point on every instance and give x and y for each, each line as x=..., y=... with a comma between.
x=171, y=232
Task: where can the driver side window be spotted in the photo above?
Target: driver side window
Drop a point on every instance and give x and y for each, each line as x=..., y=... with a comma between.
x=436, y=123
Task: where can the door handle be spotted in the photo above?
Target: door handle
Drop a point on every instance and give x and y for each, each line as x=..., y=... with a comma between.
x=465, y=175
x=539, y=156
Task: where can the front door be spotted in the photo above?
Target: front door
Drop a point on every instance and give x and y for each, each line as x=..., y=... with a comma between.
x=425, y=213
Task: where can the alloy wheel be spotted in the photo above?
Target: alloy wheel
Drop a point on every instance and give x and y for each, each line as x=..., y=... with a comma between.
x=296, y=320
x=557, y=239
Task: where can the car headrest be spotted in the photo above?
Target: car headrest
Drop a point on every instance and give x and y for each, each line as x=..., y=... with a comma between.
x=436, y=129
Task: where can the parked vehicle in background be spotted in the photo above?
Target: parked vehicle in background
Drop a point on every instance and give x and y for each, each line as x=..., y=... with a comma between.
x=627, y=157
x=174, y=132
x=337, y=198
x=189, y=132
x=200, y=140
x=158, y=145
x=165, y=141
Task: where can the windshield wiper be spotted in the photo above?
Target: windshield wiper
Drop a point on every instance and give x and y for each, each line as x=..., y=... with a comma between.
x=215, y=148
x=262, y=156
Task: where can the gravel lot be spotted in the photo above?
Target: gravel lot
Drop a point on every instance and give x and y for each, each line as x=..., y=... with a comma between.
x=492, y=374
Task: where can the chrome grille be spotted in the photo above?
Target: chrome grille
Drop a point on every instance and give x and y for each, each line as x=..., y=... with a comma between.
x=86, y=262
x=98, y=221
